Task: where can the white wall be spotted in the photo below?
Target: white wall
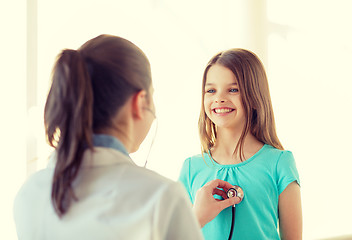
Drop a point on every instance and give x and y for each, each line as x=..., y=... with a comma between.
x=305, y=45
x=13, y=109
x=310, y=52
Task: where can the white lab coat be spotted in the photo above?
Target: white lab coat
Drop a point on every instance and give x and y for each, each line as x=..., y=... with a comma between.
x=116, y=200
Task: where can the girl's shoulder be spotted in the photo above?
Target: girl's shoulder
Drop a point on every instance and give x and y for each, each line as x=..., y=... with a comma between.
x=199, y=161
x=275, y=153
x=197, y=157
x=277, y=158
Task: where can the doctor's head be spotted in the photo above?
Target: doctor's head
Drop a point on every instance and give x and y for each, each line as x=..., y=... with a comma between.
x=104, y=87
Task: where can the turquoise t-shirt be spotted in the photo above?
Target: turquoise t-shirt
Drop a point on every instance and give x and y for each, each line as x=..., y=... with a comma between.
x=262, y=177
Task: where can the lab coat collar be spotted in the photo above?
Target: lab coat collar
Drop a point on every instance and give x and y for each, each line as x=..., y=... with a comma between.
x=99, y=156
x=108, y=141
x=108, y=150
x=102, y=156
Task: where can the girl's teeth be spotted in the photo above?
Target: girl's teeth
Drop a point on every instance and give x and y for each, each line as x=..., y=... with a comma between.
x=223, y=110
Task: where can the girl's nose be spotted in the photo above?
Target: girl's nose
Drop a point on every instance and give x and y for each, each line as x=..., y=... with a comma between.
x=220, y=98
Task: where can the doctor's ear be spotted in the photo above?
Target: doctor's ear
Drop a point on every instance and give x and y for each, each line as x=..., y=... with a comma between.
x=139, y=101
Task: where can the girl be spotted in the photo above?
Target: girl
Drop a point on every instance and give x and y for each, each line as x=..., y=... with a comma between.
x=240, y=146
x=99, y=109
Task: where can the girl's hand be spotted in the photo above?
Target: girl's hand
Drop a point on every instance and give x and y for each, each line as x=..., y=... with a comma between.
x=206, y=207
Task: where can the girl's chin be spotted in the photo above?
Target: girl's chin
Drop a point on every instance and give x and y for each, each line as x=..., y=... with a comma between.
x=227, y=125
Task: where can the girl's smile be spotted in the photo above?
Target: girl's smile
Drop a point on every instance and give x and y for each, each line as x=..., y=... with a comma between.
x=222, y=110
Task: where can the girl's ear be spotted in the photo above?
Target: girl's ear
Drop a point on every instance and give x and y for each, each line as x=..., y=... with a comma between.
x=138, y=104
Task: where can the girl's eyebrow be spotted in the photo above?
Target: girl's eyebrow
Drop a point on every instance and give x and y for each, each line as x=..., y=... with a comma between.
x=230, y=84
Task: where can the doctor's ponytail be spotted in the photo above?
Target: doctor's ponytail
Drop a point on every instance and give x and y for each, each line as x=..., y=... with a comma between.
x=68, y=122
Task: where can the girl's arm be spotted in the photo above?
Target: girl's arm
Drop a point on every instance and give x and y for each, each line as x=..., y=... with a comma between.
x=290, y=213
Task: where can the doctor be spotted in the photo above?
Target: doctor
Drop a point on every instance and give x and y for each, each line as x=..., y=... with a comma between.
x=99, y=109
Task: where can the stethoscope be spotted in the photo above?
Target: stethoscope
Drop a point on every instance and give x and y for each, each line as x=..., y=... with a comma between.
x=235, y=191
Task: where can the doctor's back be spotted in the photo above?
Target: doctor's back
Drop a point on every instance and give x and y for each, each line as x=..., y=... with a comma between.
x=99, y=109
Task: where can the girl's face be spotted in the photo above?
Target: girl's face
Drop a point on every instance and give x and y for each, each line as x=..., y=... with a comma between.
x=222, y=99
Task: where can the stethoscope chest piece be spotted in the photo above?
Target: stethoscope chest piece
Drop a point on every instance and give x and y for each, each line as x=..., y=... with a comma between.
x=236, y=191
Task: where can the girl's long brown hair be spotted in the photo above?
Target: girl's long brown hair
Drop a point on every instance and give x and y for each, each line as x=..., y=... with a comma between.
x=253, y=85
x=89, y=86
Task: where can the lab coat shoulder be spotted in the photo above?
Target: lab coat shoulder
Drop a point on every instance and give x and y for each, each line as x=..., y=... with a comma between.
x=28, y=197
x=173, y=215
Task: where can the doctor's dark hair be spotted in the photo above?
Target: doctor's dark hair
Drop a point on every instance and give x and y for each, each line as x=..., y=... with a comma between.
x=254, y=89
x=89, y=86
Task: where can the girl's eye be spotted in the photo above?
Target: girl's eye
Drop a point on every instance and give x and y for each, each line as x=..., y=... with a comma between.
x=233, y=90
x=210, y=91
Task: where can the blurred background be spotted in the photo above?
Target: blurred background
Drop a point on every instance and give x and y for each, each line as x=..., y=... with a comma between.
x=305, y=45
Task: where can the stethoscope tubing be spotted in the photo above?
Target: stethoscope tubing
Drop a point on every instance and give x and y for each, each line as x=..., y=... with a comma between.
x=236, y=191
x=232, y=222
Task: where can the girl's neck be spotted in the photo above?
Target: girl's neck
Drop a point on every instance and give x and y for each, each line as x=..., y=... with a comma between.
x=226, y=142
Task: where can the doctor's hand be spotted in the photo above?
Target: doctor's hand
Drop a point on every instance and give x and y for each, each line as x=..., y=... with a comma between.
x=206, y=207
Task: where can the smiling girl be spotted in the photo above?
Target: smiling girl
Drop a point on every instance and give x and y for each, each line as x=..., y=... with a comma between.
x=240, y=146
